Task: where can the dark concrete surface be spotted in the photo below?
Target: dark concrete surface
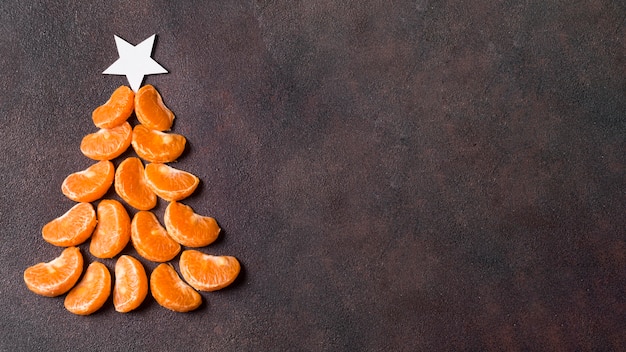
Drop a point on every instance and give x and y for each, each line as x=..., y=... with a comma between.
x=393, y=175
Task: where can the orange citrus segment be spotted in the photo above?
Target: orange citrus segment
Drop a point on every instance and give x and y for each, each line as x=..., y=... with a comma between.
x=151, y=111
x=90, y=184
x=169, y=183
x=131, y=284
x=206, y=272
x=107, y=143
x=151, y=240
x=155, y=146
x=171, y=292
x=72, y=228
x=188, y=228
x=56, y=277
x=131, y=186
x=113, y=230
x=91, y=292
x=116, y=110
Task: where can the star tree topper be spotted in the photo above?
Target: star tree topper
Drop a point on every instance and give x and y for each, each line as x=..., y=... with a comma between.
x=135, y=62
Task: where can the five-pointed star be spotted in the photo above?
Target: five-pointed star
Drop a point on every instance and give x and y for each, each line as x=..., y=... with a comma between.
x=134, y=62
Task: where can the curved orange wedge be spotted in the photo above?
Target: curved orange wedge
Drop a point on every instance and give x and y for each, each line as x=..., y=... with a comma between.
x=169, y=183
x=171, y=292
x=72, y=228
x=107, y=143
x=90, y=184
x=56, y=277
x=151, y=240
x=116, y=110
x=91, y=292
x=188, y=228
x=206, y=272
x=131, y=284
x=113, y=230
x=155, y=146
x=131, y=186
x=151, y=111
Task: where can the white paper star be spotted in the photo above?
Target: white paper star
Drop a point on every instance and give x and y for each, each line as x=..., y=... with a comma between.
x=134, y=62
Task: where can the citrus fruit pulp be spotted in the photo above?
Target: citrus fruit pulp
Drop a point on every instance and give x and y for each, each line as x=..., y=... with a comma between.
x=170, y=183
x=91, y=292
x=72, y=228
x=116, y=110
x=57, y=276
x=107, y=143
x=150, y=239
x=155, y=146
x=171, y=292
x=131, y=186
x=206, y=272
x=90, y=184
x=188, y=228
x=131, y=284
x=151, y=111
x=112, y=232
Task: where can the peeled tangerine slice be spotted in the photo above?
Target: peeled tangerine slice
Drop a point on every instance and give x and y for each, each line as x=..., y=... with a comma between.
x=171, y=292
x=113, y=230
x=90, y=184
x=107, y=143
x=56, y=277
x=131, y=186
x=116, y=110
x=169, y=183
x=206, y=272
x=189, y=228
x=72, y=228
x=151, y=240
x=91, y=292
x=131, y=284
x=155, y=146
x=151, y=111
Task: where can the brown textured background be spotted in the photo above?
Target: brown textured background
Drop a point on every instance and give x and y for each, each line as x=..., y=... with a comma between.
x=393, y=175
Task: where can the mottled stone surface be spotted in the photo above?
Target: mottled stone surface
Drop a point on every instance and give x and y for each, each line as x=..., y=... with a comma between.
x=393, y=175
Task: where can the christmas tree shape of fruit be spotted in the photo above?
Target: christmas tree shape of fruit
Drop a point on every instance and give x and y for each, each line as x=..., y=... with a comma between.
x=139, y=181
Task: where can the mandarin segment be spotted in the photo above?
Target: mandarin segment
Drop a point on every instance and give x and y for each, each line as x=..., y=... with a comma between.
x=171, y=292
x=131, y=284
x=206, y=272
x=113, y=230
x=90, y=184
x=155, y=146
x=188, y=228
x=72, y=228
x=55, y=277
x=151, y=111
x=151, y=240
x=91, y=292
x=170, y=183
x=131, y=186
x=116, y=110
x=107, y=143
